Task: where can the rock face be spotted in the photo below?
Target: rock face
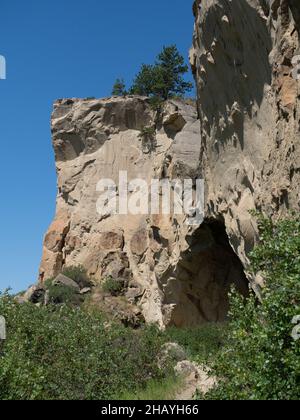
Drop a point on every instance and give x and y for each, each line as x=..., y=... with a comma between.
x=178, y=274
x=245, y=146
x=249, y=109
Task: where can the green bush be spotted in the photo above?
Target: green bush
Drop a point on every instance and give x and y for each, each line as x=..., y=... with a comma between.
x=78, y=274
x=64, y=353
x=261, y=360
x=59, y=293
x=201, y=343
x=48, y=283
x=157, y=390
x=113, y=286
x=156, y=103
x=147, y=132
x=148, y=138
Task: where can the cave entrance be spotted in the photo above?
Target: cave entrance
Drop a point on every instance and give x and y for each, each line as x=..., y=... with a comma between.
x=205, y=273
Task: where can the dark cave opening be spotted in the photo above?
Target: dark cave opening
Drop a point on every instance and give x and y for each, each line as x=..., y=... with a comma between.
x=206, y=272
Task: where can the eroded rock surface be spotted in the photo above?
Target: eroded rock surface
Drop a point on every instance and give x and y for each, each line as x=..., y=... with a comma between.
x=245, y=146
x=95, y=140
x=173, y=271
x=248, y=103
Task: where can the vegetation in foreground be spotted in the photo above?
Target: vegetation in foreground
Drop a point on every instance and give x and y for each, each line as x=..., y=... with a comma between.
x=156, y=390
x=65, y=353
x=62, y=352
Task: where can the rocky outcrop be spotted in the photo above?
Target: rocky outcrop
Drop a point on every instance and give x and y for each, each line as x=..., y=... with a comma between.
x=248, y=104
x=178, y=274
x=245, y=147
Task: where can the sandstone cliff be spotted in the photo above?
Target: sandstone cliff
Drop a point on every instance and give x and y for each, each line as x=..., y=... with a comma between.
x=248, y=103
x=245, y=146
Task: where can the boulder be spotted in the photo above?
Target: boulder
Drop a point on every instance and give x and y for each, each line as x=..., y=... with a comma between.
x=66, y=281
x=35, y=294
x=186, y=368
x=174, y=351
x=85, y=291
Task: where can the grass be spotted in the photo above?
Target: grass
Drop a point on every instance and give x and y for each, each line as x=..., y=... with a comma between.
x=156, y=390
x=202, y=343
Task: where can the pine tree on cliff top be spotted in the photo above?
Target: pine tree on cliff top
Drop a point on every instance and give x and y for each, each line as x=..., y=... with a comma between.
x=119, y=88
x=164, y=79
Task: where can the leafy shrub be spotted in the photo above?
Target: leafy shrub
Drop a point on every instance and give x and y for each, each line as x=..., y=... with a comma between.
x=113, y=286
x=202, y=343
x=78, y=274
x=65, y=353
x=147, y=131
x=261, y=360
x=148, y=138
x=59, y=293
x=48, y=283
x=156, y=103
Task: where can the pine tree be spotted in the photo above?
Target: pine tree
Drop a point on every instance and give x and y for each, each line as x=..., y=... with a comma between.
x=164, y=79
x=119, y=88
x=145, y=81
x=171, y=68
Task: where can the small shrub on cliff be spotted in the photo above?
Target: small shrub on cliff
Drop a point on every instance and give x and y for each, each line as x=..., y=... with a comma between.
x=119, y=88
x=65, y=353
x=78, y=274
x=113, y=286
x=59, y=293
x=148, y=139
x=156, y=104
x=261, y=359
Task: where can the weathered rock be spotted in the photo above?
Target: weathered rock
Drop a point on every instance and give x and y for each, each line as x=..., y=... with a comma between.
x=133, y=294
x=117, y=308
x=85, y=291
x=248, y=106
x=196, y=379
x=171, y=352
x=35, y=294
x=47, y=298
x=245, y=146
x=54, y=243
x=66, y=281
x=138, y=249
x=186, y=368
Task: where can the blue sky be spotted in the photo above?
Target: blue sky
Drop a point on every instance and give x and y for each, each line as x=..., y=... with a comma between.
x=56, y=49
